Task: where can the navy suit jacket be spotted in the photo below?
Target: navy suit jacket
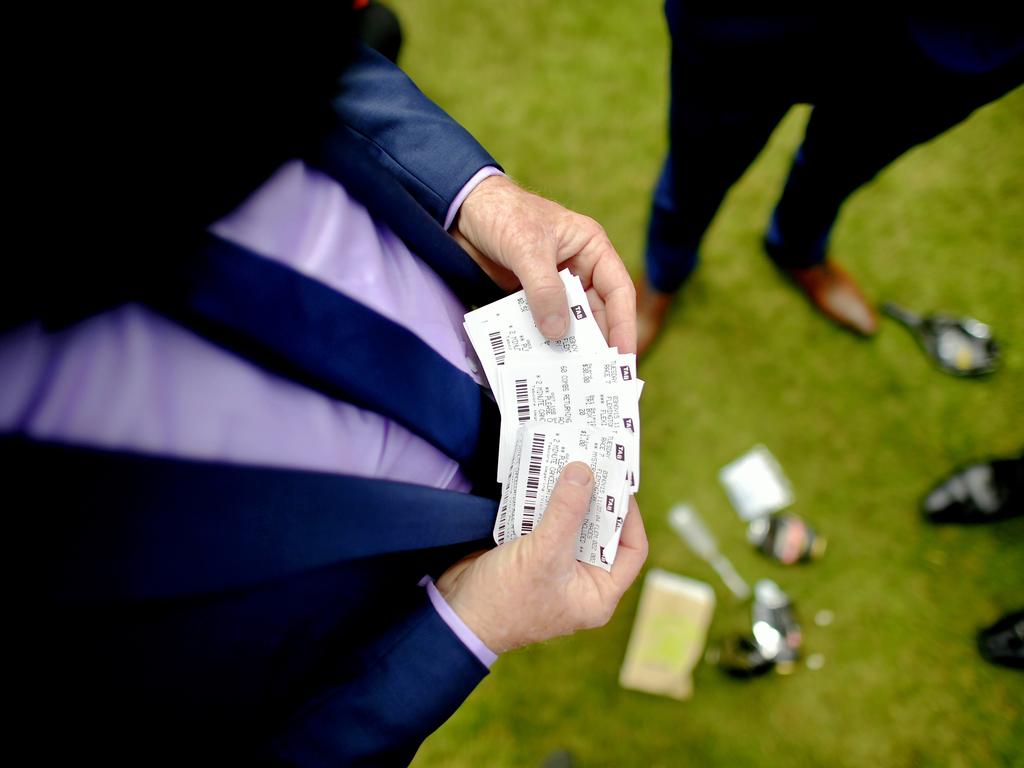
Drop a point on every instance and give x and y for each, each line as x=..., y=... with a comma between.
x=184, y=610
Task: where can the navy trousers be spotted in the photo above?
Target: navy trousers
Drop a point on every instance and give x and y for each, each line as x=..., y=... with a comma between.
x=876, y=93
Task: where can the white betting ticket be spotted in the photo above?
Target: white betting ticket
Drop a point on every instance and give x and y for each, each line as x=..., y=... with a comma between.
x=541, y=453
x=583, y=390
x=506, y=326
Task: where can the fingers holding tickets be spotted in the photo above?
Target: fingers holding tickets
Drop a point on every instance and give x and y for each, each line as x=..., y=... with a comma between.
x=533, y=589
x=556, y=534
x=632, y=551
x=514, y=233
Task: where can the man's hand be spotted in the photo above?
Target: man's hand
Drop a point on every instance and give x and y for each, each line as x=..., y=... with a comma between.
x=533, y=588
x=518, y=238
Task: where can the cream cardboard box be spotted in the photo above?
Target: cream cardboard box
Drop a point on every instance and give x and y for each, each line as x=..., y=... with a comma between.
x=668, y=636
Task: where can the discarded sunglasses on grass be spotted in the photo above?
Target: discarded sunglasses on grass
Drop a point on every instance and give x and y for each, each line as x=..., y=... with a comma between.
x=786, y=538
x=961, y=346
x=776, y=639
x=759, y=490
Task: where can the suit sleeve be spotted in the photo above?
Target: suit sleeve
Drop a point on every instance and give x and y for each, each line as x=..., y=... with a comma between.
x=411, y=137
x=418, y=675
x=124, y=166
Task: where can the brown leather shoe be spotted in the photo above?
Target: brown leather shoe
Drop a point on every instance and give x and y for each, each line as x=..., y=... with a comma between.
x=836, y=295
x=651, y=308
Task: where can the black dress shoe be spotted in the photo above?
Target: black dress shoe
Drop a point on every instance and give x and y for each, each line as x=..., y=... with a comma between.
x=979, y=493
x=1003, y=642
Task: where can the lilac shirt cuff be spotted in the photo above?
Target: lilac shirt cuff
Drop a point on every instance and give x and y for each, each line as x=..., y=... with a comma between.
x=458, y=626
x=483, y=173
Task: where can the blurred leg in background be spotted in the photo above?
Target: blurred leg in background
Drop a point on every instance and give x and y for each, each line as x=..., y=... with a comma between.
x=880, y=86
x=728, y=91
x=904, y=100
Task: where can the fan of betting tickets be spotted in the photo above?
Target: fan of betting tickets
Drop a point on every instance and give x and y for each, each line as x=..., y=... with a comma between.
x=575, y=399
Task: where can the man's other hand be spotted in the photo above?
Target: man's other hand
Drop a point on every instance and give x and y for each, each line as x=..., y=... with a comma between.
x=519, y=238
x=533, y=588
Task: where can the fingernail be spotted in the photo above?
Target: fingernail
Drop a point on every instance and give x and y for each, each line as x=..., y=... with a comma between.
x=554, y=326
x=578, y=473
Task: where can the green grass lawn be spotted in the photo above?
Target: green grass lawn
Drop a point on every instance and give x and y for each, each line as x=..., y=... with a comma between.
x=571, y=98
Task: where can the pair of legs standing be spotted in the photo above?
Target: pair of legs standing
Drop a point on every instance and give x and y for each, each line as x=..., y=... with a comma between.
x=876, y=91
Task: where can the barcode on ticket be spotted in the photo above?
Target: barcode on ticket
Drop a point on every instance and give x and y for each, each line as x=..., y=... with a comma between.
x=533, y=482
x=522, y=400
x=497, y=347
x=502, y=522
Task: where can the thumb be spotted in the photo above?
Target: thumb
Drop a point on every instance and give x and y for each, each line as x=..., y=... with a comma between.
x=545, y=294
x=570, y=499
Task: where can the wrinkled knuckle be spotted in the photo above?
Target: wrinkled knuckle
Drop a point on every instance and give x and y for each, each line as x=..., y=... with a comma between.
x=547, y=296
x=581, y=222
x=556, y=508
x=594, y=227
x=564, y=492
x=550, y=288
